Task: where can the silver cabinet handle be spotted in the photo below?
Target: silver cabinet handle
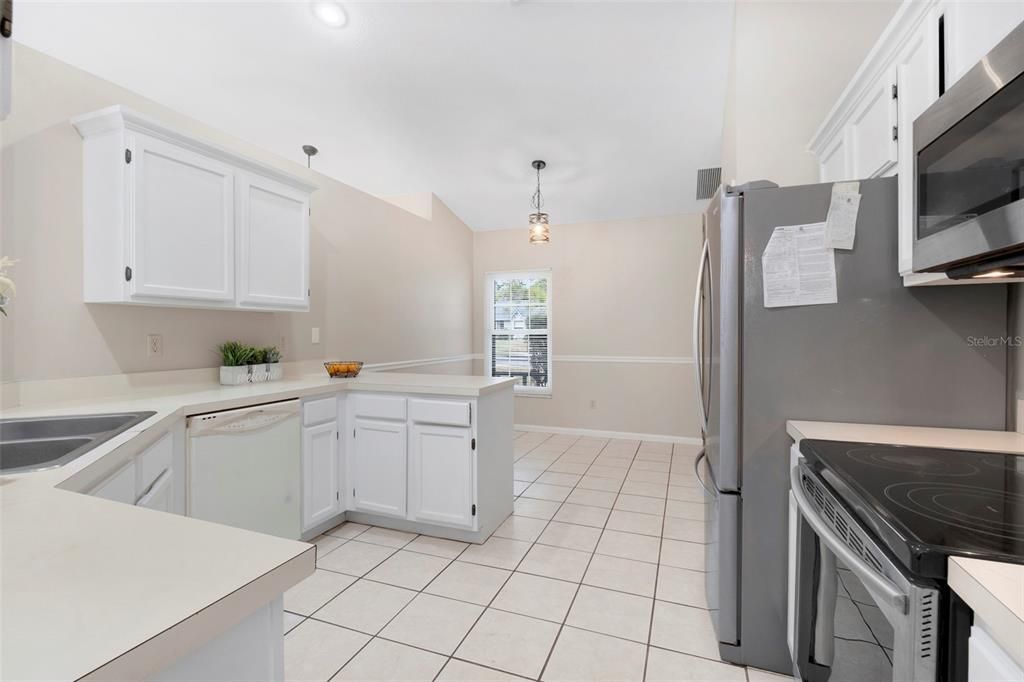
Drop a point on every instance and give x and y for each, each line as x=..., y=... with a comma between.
x=875, y=583
x=713, y=492
x=698, y=352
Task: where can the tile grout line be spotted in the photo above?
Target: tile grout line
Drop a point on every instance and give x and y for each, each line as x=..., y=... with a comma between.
x=503, y=584
x=657, y=570
x=593, y=461
x=583, y=577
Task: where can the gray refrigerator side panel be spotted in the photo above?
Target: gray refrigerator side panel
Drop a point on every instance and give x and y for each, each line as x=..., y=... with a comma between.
x=883, y=354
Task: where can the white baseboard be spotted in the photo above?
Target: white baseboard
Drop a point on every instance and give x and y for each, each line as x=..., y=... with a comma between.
x=624, y=435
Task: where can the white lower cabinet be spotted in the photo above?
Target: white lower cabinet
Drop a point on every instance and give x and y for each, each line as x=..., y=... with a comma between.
x=320, y=494
x=152, y=478
x=120, y=487
x=989, y=662
x=441, y=475
x=160, y=496
x=377, y=463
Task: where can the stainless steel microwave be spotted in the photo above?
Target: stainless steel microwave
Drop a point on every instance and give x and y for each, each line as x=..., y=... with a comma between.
x=969, y=171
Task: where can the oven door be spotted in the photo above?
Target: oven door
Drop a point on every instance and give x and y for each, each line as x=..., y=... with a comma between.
x=856, y=616
x=969, y=170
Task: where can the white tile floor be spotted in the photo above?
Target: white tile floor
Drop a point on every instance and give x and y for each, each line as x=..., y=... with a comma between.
x=596, y=576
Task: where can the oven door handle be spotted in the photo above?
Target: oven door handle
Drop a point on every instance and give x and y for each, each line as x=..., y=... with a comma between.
x=875, y=583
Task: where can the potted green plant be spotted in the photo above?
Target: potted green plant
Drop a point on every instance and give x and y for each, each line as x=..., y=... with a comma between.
x=234, y=363
x=272, y=356
x=257, y=365
x=6, y=284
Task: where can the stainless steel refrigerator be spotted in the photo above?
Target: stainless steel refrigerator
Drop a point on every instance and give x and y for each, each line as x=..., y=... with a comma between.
x=882, y=354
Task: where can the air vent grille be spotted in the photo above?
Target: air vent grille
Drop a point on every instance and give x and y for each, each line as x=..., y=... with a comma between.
x=843, y=527
x=927, y=624
x=708, y=180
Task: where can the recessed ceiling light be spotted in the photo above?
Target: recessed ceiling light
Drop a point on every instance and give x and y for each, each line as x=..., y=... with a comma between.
x=331, y=13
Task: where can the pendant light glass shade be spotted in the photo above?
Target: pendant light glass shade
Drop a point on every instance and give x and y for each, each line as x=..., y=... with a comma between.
x=540, y=230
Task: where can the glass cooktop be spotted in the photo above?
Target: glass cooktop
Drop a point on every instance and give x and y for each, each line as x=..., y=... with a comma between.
x=927, y=503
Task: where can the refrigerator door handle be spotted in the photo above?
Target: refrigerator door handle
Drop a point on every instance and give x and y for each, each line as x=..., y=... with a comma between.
x=713, y=490
x=698, y=350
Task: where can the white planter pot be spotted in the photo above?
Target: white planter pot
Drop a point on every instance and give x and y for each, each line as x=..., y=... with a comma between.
x=275, y=370
x=234, y=376
x=258, y=373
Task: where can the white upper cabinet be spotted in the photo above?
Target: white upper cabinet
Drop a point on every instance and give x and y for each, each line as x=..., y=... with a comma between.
x=183, y=222
x=871, y=135
x=917, y=83
x=870, y=130
x=973, y=28
x=273, y=244
x=172, y=220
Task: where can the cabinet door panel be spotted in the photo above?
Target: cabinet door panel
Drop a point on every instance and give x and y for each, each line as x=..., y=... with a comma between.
x=319, y=474
x=441, y=475
x=160, y=495
x=917, y=79
x=182, y=224
x=273, y=244
x=973, y=29
x=872, y=148
x=378, y=467
x=120, y=487
x=832, y=166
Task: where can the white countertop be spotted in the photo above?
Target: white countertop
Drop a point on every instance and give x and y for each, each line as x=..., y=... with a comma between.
x=90, y=586
x=994, y=590
x=924, y=436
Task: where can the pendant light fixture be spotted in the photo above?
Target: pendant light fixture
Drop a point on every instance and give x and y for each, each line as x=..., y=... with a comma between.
x=540, y=230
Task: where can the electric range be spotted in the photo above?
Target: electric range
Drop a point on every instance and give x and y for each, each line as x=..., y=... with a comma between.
x=926, y=503
x=872, y=527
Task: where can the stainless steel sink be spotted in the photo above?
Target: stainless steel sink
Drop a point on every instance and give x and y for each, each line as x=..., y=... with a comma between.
x=47, y=442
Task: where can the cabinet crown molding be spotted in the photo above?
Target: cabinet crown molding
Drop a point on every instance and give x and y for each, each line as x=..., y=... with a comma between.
x=896, y=34
x=119, y=117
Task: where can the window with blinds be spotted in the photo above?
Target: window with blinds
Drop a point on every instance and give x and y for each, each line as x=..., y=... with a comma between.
x=518, y=335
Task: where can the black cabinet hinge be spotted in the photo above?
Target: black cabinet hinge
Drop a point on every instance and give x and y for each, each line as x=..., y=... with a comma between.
x=127, y=274
x=895, y=133
x=474, y=510
x=337, y=495
x=895, y=92
x=127, y=155
x=472, y=444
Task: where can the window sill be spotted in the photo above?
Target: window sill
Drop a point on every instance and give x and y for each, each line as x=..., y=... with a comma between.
x=531, y=394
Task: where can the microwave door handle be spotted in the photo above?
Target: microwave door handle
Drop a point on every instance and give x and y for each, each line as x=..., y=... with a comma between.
x=698, y=360
x=875, y=583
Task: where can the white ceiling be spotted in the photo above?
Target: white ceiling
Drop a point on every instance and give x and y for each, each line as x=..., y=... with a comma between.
x=624, y=100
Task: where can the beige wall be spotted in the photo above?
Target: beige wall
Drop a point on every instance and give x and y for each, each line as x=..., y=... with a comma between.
x=387, y=285
x=791, y=61
x=622, y=288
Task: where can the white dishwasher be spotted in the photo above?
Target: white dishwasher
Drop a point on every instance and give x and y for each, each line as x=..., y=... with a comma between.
x=245, y=468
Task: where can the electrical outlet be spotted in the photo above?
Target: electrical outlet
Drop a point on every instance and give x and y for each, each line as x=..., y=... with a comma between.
x=316, y=335
x=154, y=346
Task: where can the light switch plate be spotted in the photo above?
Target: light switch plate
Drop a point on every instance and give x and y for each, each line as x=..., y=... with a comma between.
x=316, y=335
